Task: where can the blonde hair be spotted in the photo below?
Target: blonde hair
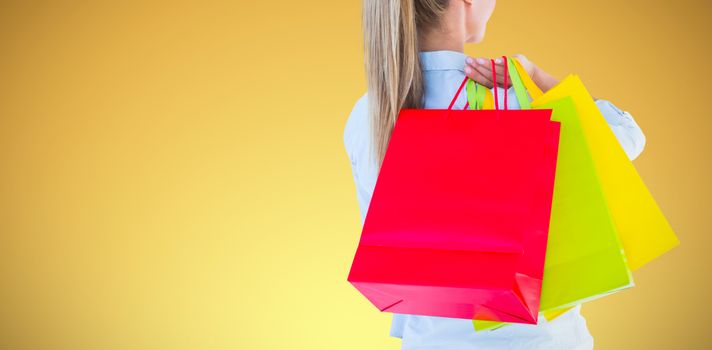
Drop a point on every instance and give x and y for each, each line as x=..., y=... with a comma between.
x=391, y=31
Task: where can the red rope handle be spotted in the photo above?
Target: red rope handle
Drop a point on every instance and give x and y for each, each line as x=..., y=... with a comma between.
x=504, y=84
x=494, y=78
x=457, y=93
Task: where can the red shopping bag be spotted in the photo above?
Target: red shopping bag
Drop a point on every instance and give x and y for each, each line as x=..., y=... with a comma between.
x=458, y=221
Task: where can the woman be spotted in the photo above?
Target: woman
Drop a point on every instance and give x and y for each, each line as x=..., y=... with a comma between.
x=414, y=52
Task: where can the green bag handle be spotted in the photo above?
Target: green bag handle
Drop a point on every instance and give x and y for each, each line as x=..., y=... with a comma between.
x=475, y=94
x=534, y=91
x=518, y=85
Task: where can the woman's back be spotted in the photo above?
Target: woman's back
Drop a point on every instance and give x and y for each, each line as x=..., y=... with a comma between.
x=442, y=73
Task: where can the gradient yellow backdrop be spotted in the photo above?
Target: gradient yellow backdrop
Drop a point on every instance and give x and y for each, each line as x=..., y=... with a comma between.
x=172, y=174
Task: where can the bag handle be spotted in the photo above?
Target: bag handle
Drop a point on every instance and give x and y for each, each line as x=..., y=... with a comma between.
x=522, y=83
x=504, y=83
x=519, y=89
x=478, y=95
x=464, y=81
x=458, y=94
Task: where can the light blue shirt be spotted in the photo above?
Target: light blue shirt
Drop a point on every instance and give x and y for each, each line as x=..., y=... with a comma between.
x=443, y=72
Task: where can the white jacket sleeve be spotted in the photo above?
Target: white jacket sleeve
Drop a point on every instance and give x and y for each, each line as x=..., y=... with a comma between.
x=356, y=142
x=627, y=131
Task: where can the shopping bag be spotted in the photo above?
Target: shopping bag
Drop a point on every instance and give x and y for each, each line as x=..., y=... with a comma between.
x=459, y=216
x=584, y=258
x=642, y=227
x=573, y=107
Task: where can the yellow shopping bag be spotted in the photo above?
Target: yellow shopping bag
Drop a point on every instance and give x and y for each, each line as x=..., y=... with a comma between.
x=643, y=229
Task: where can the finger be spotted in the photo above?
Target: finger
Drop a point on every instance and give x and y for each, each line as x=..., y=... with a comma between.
x=500, y=76
x=476, y=63
x=499, y=66
x=475, y=75
x=483, y=66
x=487, y=74
x=480, y=64
x=482, y=76
x=486, y=70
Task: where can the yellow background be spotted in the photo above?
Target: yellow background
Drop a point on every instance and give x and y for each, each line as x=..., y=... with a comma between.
x=172, y=174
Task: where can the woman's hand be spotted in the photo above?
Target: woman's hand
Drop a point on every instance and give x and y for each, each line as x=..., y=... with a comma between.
x=480, y=70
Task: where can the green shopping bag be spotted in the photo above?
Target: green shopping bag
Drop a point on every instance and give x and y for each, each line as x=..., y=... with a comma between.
x=584, y=259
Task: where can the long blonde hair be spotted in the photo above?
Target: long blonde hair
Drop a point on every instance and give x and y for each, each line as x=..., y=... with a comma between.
x=391, y=31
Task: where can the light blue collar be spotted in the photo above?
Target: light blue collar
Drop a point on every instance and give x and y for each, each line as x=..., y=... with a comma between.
x=442, y=60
